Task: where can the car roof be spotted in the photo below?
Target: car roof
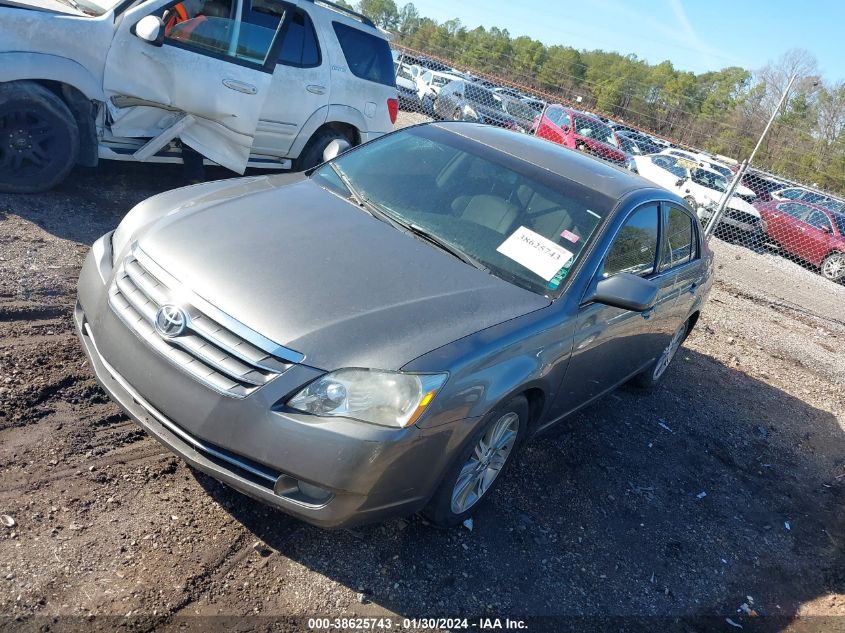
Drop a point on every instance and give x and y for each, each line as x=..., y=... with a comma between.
x=593, y=173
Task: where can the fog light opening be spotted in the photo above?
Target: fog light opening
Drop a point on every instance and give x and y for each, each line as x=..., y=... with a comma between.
x=314, y=493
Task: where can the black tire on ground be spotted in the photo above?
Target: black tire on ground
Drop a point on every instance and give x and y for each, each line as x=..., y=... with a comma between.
x=650, y=377
x=312, y=155
x=439, y=509
x=39, y=138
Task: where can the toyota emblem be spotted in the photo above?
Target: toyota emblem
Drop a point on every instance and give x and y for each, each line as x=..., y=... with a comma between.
x=170, y=321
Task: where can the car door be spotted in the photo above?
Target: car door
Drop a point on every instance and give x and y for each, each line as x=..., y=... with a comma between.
x=791, y=228
x=204, y=79
x=612, y=344
x=680, y=262
x=300, y=81
x=815, y=236
x=779, y=221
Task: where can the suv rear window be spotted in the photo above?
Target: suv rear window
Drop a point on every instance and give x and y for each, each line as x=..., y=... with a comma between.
x=367, y=56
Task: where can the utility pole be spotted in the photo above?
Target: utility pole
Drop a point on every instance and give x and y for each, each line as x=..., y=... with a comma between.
x=720, y=210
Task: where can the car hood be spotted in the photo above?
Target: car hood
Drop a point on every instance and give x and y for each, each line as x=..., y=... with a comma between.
x=314, y=273
x=736, y=203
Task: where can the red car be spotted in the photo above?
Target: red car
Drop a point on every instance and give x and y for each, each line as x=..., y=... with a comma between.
x=808, y=232
x=581, y=131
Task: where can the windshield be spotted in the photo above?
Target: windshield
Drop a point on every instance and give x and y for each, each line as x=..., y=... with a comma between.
x=519, y=109
x=722, y=170
x=593, y=128
x=709, y=179
x=832, y=205
x=522, y=222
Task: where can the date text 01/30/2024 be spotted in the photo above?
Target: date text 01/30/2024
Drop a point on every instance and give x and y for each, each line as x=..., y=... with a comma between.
x=411, y=624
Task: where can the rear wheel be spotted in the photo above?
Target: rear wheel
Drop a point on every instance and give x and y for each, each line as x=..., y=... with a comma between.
x=312, y=155
x=479, y=466
x=655, y=372
x=833, y=267
x=39, y=138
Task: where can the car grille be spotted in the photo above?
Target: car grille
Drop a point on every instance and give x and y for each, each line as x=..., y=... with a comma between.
x=229, y=362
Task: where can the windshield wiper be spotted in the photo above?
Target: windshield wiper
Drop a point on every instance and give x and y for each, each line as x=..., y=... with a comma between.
x=359, y=199
x=379, y=212
x=450, y=248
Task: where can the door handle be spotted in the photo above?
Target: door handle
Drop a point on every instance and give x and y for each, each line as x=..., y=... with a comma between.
x=315, y=89
x=240, y=86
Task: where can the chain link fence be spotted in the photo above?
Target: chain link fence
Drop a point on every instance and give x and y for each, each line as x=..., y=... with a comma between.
x=762, y=217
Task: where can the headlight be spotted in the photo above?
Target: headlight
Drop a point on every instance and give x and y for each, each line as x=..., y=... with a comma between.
x=387, y=398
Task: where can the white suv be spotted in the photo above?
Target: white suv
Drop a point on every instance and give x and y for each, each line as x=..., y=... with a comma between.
x=245, y=83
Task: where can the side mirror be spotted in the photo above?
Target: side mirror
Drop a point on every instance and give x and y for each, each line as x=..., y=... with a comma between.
x=150, y=28
x=626, y=291
x=680, y=181
x=415, y=71
x=335, y=149
x=826, y=228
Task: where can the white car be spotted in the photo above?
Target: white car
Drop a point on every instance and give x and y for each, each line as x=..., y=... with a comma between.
x=701, y=188
x=429, y=83
x=242, y=82
x=703, y=160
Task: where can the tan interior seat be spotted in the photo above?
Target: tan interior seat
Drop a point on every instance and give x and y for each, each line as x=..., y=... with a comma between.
x=491, y=211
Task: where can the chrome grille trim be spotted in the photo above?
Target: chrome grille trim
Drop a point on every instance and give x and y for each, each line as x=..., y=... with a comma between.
x=222, y=359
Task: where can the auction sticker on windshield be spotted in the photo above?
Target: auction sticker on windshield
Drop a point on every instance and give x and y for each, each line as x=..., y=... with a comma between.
x=537, y=253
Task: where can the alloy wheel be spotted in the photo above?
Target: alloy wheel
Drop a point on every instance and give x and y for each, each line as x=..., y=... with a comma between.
x=834, y=267
x=490, y=455
x=26, y=141
x=669, y=353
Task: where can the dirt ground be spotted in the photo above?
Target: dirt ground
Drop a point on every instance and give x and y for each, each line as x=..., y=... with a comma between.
x=717, y=497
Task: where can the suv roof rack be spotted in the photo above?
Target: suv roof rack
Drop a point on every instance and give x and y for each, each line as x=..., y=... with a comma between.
x=341, y=9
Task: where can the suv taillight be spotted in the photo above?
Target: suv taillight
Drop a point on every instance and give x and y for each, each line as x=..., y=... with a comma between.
x=393, y=109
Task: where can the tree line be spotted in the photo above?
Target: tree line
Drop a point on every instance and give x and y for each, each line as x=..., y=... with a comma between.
x=723, y=111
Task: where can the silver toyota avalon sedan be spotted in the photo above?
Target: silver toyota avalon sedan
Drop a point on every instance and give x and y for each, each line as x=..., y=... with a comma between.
x=379, y=335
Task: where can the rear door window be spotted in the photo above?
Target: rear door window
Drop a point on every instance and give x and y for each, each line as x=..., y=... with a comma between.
x=634, y=250
x=367, y=56
x=678, y=238
x=299, y=46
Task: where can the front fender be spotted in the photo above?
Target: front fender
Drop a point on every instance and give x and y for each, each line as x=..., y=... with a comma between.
x=16, y=66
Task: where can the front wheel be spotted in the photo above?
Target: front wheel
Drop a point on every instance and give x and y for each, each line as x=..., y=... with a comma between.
x=833, y=267
x=39, y=138
x=480, y=464
x=655, y=372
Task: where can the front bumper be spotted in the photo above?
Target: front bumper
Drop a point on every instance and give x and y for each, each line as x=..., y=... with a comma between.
x=371, y=473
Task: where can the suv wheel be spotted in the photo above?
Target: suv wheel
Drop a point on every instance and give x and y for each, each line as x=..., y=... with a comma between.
x=480, y=464
x=312, y=155
x=39, y=138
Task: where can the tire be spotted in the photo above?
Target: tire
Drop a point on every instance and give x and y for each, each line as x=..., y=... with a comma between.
x=447, y=508
x=39, y=138
x=833, y=267
x=312, y=155
x=654, y=373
